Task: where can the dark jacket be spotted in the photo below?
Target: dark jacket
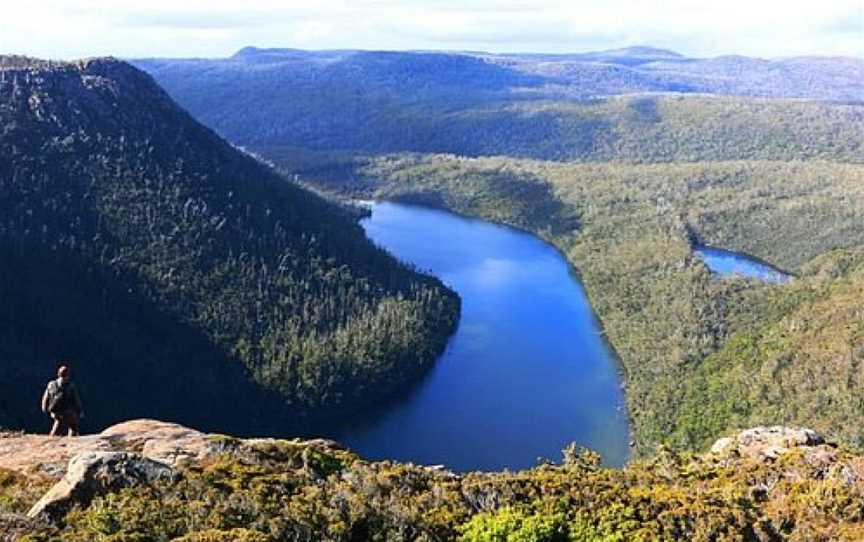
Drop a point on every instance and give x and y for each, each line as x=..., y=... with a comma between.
x=53, y=389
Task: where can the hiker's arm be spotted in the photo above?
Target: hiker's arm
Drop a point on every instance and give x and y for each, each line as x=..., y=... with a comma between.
x=45, y=401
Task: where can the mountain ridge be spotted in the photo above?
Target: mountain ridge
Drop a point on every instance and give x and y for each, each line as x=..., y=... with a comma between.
x=136, y=243
x=633, y=50
x=559, y=108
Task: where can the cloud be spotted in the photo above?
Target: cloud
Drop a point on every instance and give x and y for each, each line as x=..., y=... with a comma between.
x=767, y=28
x=189, y=20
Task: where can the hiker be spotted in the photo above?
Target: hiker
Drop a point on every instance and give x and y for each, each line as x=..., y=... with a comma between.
x=62, y=402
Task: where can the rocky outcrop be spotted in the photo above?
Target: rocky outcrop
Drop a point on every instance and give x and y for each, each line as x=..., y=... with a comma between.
x=766, y=442
x=93, y=474
x=125, y=455
x=43, y=456
x=321, y=473
x=167, y=443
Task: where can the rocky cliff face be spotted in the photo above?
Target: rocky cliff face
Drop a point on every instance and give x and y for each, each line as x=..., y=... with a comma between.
x=164, y=481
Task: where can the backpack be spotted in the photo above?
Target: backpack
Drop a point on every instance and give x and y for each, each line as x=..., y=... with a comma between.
x=60, y=399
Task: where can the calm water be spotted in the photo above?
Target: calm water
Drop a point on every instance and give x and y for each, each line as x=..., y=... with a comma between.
x=526, y=373
x=728, y=263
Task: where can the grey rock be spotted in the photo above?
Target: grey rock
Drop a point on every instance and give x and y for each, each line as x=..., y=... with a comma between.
x=767, y=442
x=94, y=474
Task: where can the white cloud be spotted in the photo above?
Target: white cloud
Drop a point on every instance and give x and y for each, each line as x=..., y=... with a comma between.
x=73, y=28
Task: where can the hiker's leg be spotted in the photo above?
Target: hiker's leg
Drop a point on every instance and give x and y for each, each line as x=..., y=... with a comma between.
x=73, y=423
x=58, y=425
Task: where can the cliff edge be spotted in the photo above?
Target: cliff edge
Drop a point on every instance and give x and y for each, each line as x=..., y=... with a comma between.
x=151, y=480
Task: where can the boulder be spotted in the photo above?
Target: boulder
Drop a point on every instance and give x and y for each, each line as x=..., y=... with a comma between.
x=766, y=442
x=168, y=443
x=93, y=474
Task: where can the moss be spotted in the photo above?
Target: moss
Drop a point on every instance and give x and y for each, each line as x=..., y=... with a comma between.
x=232, y=535
x=18, y=492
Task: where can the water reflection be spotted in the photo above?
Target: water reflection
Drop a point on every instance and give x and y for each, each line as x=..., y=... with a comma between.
x=728, y=263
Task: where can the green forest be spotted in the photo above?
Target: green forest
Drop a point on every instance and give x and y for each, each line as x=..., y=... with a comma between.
x=181, y=278
x=185, y=279
x=692, y=346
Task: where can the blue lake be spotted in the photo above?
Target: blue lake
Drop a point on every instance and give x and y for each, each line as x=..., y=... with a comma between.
x=727, y=263
x=526, y=373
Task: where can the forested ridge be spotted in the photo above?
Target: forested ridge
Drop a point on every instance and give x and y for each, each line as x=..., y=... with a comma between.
x=634, y=104
x=180, y=277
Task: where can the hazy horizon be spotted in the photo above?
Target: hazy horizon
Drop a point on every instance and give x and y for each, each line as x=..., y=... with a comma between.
x=66, y=29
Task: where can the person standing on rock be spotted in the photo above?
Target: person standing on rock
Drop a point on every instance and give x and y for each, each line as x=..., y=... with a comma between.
x=62, y=402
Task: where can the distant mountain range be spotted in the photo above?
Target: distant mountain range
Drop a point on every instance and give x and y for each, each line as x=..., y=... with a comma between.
x=590, y=74
x=639, y=104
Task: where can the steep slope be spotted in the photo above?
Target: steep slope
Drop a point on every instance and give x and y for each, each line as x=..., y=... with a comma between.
x=800, y=361
x=180, y=277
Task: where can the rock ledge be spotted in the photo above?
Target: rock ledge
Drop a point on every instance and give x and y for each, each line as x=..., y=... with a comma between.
x=767, y=442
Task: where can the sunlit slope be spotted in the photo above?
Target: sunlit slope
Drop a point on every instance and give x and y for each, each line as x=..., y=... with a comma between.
x=629, y=105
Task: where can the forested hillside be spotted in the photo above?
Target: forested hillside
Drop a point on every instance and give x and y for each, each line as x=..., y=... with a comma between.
x=700, y=355
x=625, y=160
x=632, y=129
x=633, y=104
x=179, y=277
x=801, y=360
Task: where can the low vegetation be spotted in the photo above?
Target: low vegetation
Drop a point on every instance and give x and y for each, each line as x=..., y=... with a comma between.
x=288, y=491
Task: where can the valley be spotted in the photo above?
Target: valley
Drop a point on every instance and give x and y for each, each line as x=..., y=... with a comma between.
x=178, y=276
x=626, y=165
x=527, y=371
x=630, y=231
x=650, y=263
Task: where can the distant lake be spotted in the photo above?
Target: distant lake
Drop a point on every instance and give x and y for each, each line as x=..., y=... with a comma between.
x=527, y=371
x=728, y=263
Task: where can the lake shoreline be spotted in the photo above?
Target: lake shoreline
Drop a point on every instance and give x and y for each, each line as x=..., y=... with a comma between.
x=619, y=412
x=621, y=369
x=754, y=267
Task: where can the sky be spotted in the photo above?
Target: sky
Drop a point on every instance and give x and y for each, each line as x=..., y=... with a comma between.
x=64, y=29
